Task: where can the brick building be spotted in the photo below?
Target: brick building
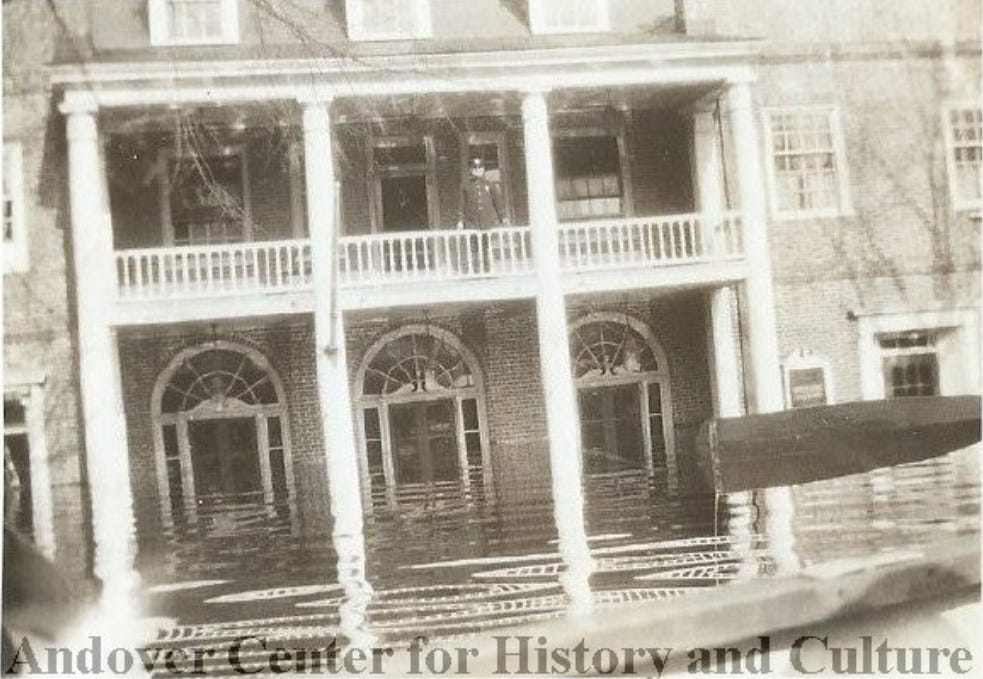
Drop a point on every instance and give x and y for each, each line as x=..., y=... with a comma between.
x=234, y=264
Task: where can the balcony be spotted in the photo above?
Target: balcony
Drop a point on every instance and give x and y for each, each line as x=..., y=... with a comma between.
x=426, y=260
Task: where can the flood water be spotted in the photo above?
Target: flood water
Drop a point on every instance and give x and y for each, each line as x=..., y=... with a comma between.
x=448, y=563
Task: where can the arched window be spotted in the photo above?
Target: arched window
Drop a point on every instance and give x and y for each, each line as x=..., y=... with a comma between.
x=220, y=431
x=623, y=393
x=422, y=411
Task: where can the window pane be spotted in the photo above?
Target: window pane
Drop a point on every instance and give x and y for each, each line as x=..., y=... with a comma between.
x=911, y=375
x=804, y=160
x=13, y=412
x=469, y=406
x=274, y=432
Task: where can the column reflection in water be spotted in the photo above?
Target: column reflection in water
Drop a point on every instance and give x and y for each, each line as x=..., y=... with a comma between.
x=357, y=592
x=741, y=516
x=780, y=529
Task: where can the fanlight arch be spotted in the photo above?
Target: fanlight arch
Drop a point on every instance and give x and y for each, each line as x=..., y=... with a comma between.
x=221, y=430
x=421, y=411
x=624, y=393
x=416, y=360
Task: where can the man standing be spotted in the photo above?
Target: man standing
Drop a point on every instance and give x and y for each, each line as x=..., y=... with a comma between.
x=481, y=206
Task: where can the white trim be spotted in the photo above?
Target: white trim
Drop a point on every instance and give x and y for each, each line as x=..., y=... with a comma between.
x=15, y=253
x=803, y=359
x=599, y=22
x=420, y=18
x=965, y=347
x=958, y=202
x=160, y=31
x=844, y=207
x=499, y=76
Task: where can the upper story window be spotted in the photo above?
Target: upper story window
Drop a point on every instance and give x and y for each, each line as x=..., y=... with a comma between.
x=591, y=174
x=910, y=362
x=568, y=16
x=388, y=19
x=404, y=183
x=807, y=162
x=964, y=150
x=205, y=198
x=14, y=223
x=194, y=22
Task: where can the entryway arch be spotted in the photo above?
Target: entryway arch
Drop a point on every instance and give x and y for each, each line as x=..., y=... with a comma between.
x=623, y=392
x=420, y=396
x=220, y=430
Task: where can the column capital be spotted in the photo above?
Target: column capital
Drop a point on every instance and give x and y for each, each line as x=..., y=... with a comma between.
x=534, y=105
x=739, y=96
x=315, y=95
x=81, y=127
x=79, y=102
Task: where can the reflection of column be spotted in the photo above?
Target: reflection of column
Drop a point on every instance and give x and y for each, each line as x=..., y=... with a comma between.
x=780, y=529
x=41, y=507
x=741, y=514
x=561, y=404
x=332, y=371
x=102, y=401
x=763, y=345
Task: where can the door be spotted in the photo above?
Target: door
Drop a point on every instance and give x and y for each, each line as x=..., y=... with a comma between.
x=224, y=457
x=611, y=428
x=424, y=441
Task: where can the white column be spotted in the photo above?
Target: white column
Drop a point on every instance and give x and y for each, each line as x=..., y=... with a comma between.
x=334, y=393
x=107, y=458
x=42, y=509
x=708, y=172
x=725, y=351
x=762, y=335
x=561, y=402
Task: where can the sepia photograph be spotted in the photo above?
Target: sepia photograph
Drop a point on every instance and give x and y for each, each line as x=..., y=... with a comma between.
x=475, y=338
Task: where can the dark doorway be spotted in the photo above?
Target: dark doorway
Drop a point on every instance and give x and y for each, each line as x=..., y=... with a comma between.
x=611, y=428
x=424, y=441
x=404, y=203
x=224, y=456
x=20, y=455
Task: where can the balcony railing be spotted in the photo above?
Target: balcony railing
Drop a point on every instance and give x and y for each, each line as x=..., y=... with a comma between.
x=646, y=241
x=434, y=255
x=213, y=270
x=394, y=258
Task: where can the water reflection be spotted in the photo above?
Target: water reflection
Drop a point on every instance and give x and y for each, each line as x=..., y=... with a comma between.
x=454, y=560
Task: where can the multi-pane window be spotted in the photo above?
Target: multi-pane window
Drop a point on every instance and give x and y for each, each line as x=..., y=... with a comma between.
x=588, y=177
x=567, y=16
x=964, y=136
x=807, y=169
x=388, y=19
x=206, y=199
x=910, y=362
x=14, y=226
x=193, y=22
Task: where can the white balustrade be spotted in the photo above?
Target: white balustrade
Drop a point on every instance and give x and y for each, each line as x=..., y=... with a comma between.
x=188, y=271
x=434, y=255
x=644, y=241
x=213, y=270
